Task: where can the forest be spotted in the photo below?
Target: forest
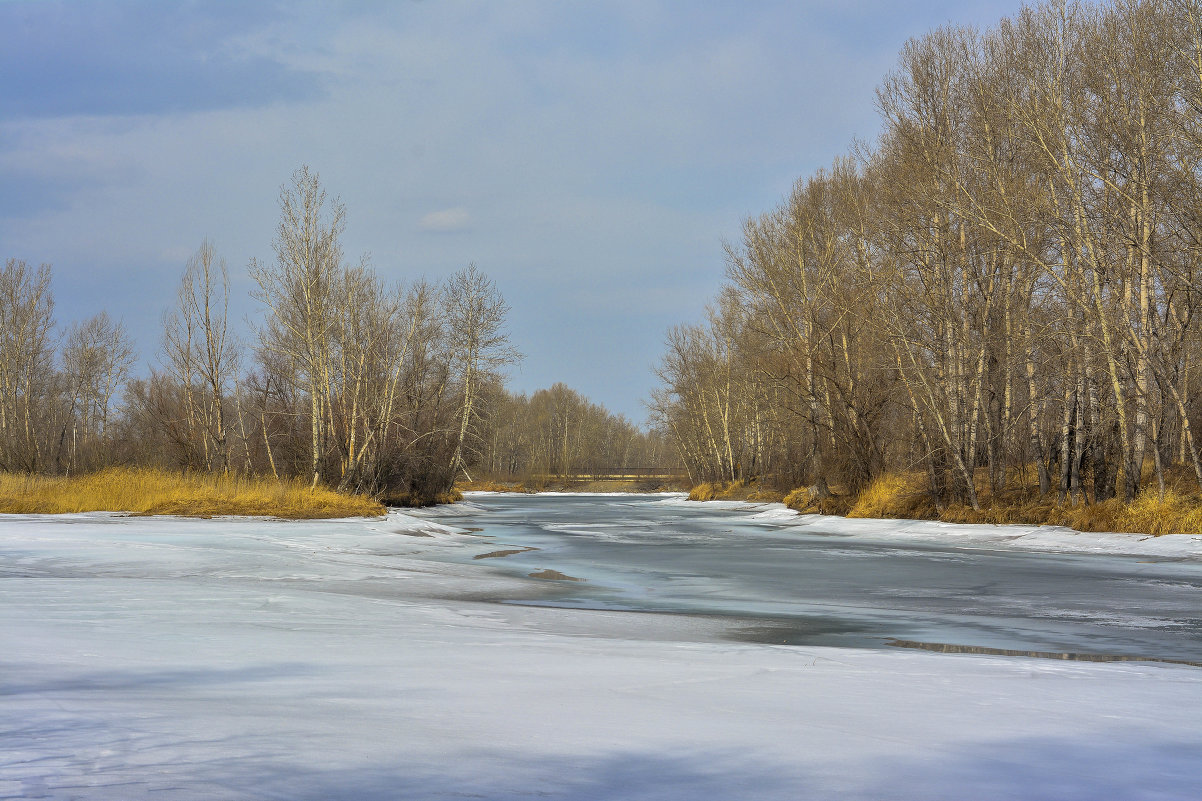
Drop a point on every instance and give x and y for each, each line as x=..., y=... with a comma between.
x=993, y=305
x=348, y=383
x=1000, y=294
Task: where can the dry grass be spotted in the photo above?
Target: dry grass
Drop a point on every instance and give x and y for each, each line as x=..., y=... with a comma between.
x=156, y=492
x=799, y=499
x=804, y=501
x=893, y=495
x=488, y=485
x=416, y=501
x=905, y=495
x=1174, y=514
x=735, y=491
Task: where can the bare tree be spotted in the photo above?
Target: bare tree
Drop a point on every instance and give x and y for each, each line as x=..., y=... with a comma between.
x=200, y=353
x=479, y=349
x=26, y=353
x=300, y=293
x=1019, y=257
x=97, y=358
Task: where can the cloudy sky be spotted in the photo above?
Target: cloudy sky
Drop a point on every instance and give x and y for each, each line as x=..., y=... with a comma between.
x=589, y=157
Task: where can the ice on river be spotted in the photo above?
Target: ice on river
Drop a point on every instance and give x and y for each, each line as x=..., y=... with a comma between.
x=1018, y=537
x=254, y=659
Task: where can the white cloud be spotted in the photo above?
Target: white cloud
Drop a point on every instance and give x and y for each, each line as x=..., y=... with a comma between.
x=446, y=220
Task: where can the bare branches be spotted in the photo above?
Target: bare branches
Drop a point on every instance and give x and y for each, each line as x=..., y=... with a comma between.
x=202, y=356
x=480, y=349
x=1022, y=248
x=26, y=351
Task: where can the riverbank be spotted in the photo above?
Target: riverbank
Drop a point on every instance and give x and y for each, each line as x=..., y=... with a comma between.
x=904, y=496
x=993, y=536
x=144, y=491
x=583, y=486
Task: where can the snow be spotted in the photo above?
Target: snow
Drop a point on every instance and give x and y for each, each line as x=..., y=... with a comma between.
x=1019, y=537
x=257, y=659
x=564, y=494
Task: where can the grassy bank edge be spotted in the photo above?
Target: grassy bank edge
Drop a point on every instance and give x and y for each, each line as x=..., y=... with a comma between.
x=904, y=496
x=143, y=491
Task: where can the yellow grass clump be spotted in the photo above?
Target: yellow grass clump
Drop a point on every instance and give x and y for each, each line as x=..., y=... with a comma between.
x=798, y=499
x=1150, y=514
x=157, y=492
x=735, y=491
x=890, y=495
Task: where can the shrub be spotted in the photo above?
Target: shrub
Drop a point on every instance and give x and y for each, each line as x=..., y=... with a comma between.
x=799, y=499
x=890, y=495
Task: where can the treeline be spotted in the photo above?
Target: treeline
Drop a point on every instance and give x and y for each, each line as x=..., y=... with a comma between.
x=348, y=382
x=56, y=392
x=559, y=433
x=1007, y=283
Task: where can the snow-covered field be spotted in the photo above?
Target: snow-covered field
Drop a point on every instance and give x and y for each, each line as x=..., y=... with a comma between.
x=210, y=659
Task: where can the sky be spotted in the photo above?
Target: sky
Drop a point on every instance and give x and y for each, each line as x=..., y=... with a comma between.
x=590, y=158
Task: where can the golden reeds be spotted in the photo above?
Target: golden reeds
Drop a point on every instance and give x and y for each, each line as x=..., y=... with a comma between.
x=157, y=492
x=905, y=495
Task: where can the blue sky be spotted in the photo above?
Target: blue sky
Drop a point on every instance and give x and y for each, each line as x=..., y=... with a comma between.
x=590, y=157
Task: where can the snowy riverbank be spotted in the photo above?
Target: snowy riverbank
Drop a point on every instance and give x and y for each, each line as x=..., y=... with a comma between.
x=1020, y=537
x=240, y=658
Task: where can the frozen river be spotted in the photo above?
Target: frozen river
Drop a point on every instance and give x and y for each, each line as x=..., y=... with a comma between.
x=704, y=652
x=814, y=586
